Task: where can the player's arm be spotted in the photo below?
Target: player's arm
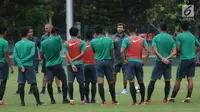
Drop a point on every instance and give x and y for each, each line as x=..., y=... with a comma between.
x=19, y=63
x=173, y=51
x=197, y=44
x=112, y=55
x=83, y=48
x=122, y=55
x=68, y=58
x=125, y=44
x=91, y=45
x=178, y=45
x=7, y=57
x=155, y=50
x=30, y=56
x=42, y=51
x=147, y=51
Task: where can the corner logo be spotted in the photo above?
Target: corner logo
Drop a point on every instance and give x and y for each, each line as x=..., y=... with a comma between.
x=188, y=12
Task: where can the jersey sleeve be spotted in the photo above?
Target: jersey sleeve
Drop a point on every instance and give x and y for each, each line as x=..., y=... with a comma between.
x=173, y=44
x=178, y=42
x=16, y=57
x=92, y=46
x=196, y=42
x=82, y=45
x=126, y=43
x=42, y=47
x=112, y=44
x=6, y=47
x=65, y=47
x=154, y=42
x=144, y=42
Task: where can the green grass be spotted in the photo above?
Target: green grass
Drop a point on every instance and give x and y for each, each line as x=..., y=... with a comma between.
x=13, y=100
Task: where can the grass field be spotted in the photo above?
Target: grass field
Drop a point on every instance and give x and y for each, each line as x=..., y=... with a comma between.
x=13, y=100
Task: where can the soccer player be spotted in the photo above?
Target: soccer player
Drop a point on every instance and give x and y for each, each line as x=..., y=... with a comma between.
x=134, y=45
x=164, y=48
x=51, y=48
x=103, y=48
x=186, y=44
x=4, y=63
x=36, y=57
x=89, y=68
x=37, y=51
x=24, y=52
x=74, y=50
x=118, y=38
x=48, y=28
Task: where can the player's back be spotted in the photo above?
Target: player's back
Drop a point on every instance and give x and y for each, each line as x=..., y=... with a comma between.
x=187, y=42
x=51, y=48
x=102, y=46
x=23, y=48
x=165, y=43
x=88, y=57
x=3, y=48
x=24, y=51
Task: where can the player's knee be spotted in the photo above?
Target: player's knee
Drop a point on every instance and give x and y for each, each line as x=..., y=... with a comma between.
x=131, y=81
x=49, y=82
x=141, y=84
x=70, y=84
x=94, y=84
x=34, y=85
x=140, y=81
x=111, y=82
x=64, y=81
x=21, y=85
x=100, y=80
x=167, y=82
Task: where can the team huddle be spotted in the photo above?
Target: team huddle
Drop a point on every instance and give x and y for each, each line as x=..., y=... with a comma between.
x=97, y=56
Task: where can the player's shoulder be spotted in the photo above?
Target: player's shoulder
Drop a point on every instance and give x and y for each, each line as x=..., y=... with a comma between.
x=126, y=39
x=93, y=40
x=107, y=38
x=126, y=36
x=45, y=41
x=30, y=42
x=4, y=41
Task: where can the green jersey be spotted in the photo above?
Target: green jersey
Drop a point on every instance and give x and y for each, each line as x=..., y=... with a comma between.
x=3, y=49
x=102, y=46
x=187, y=42
x=51, y=48
x=164, y=43
x=24, y=52
x=126, y=43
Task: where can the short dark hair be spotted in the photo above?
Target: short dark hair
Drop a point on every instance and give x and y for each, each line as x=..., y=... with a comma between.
x=73, y=31
x=185, y=25
x=89, y=34
x=121, y=24
x=3, y=29
x=99, y=29
x=55, y=30
x=163, y=26
x=131, y=28
x=24, y=31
